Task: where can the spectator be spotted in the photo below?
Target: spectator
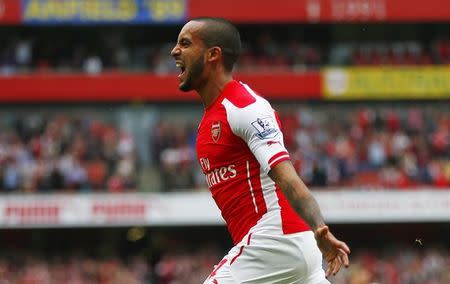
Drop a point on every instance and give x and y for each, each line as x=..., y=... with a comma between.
x=263, y=51
x=64, y=153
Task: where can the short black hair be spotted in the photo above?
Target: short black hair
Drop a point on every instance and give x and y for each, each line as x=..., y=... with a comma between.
x=222, y=33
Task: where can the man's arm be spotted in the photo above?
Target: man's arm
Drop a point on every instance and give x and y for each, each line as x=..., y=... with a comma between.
x=334, y=251
x=297, y=194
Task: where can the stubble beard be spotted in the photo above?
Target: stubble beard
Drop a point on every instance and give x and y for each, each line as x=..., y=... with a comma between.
x=194, y=74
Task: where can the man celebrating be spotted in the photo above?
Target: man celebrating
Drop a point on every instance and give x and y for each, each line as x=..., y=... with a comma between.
x=275, y=222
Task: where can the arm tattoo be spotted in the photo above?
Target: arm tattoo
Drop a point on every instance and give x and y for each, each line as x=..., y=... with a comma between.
x=305, y=206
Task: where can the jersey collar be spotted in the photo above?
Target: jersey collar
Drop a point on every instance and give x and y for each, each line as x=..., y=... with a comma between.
x=228, y=89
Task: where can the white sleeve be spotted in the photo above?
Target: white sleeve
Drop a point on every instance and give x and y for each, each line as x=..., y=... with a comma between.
x=257, y=125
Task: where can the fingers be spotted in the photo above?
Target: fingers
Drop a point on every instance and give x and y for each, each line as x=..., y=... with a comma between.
x=343, y=256
x=334, y=251
x=333, y=267
x=338, y=244
x=346, y=261
x=341, y=246
x=335, y=264
x=324, y=233
x=344, y=247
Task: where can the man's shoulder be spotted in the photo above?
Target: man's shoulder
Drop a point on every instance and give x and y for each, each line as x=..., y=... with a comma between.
x=241, y=95
x=247, y=110
x=243, y=99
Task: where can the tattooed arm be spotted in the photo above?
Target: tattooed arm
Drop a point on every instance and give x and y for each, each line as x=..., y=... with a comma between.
x=297, y=194
x=334, y=251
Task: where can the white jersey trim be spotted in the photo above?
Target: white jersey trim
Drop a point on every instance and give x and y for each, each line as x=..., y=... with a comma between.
x=251, y=187
x=257, y=125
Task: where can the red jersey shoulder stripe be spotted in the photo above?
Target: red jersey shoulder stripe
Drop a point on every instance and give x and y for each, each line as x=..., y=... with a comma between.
x=277, y=158
x=238, y=95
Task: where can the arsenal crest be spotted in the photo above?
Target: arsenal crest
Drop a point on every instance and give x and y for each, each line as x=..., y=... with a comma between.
x=215, y=131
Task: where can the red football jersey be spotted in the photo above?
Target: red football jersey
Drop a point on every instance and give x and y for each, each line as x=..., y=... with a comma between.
x=239, y=140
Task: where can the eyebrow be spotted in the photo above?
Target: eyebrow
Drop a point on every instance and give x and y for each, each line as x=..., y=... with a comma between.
x=184, y=39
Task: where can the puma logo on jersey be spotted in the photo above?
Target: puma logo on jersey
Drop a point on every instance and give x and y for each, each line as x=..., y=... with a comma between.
x=273, y=142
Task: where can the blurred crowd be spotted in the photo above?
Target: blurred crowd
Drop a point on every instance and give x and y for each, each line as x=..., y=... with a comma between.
x=26, y=268
x=360, y=146
x=174, y=153
x=353, y=145
x=395, y=265
x=187, y=267
x=394, y=53
x=112, y=52
x=386, y=266
x=387, y=146
x=65, y=153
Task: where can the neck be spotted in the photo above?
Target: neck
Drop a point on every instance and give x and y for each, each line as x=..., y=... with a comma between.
x=212, y=89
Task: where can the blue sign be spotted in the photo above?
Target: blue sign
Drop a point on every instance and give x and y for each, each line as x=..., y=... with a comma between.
x=80, y=12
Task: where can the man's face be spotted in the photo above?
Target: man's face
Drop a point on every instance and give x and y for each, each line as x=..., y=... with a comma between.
x=189, y=56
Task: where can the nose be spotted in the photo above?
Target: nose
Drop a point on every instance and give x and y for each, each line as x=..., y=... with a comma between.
x=175, y=51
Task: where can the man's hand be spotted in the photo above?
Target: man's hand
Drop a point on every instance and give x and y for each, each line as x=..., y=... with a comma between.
x=334, y=251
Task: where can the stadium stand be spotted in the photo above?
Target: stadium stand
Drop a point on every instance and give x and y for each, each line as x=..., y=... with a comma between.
x=403, y=266
x=379, y=146
x=64, y=153
x=28, y=55
x=89, y=185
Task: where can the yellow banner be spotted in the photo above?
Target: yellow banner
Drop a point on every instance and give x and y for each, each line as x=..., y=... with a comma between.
x=383, y=82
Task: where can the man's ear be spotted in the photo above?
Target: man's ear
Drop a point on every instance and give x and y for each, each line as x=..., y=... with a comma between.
x=214, y=53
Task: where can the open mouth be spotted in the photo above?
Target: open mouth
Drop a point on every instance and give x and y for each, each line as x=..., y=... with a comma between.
x=182, y=68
